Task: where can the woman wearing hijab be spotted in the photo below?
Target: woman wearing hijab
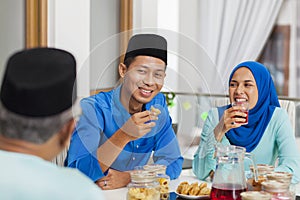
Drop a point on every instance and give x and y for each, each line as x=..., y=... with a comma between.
x=268, y=133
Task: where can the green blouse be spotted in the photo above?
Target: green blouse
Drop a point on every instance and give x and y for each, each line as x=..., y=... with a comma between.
x=277, y=143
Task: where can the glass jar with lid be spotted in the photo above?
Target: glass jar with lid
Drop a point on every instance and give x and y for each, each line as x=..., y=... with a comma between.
x=158, y=169
x=262, y=171
x=162, y=178
x=143, y=186
x=256, y=195
x=280, y=176
x=278, y=189
x=285, y=177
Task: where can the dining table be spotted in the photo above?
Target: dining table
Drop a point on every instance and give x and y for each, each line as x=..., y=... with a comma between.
x=186, y=175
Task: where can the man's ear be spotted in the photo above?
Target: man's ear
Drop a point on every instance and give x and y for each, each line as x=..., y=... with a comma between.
x=66, y=132
x=122, y=69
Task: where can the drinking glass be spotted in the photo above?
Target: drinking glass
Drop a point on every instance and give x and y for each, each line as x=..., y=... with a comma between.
x=243, y=107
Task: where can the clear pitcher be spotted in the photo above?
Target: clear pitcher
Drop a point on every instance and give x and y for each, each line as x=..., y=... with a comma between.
x=229, y=179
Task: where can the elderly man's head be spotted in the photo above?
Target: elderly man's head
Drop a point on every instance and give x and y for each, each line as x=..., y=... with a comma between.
x=37, y=94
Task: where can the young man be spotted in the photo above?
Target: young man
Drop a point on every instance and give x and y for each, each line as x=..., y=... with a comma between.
x=36, y=123
x=118, y=131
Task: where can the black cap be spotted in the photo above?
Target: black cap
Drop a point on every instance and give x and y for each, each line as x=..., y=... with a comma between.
x=147, y=45
x=39, y=82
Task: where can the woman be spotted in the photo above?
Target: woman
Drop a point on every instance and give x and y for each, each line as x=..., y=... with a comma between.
x=268, y=133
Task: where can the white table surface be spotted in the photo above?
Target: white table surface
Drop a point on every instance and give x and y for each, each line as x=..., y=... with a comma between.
x=186, y=175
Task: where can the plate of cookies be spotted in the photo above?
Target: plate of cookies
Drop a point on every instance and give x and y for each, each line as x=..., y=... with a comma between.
x=193, y=191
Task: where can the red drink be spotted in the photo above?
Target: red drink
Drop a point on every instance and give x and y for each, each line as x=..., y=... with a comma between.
x=246, y=112
x=246, y=118
x=226, y=191
x=243, y=107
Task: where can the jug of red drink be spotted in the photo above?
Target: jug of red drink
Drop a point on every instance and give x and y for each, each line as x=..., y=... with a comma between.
x=229, y=180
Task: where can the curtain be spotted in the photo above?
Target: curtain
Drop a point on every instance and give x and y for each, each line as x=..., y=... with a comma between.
x=298, y=50
x=298, y=72
x=233, y=31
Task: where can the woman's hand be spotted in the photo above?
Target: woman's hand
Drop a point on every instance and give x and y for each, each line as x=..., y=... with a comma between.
x=139, y=124
x=232, y=118
x=114, y=179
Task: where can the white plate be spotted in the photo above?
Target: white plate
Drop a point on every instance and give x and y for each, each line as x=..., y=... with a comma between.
x=192, y=196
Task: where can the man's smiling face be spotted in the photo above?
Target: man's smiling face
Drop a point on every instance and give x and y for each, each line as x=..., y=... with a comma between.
x=143, y=79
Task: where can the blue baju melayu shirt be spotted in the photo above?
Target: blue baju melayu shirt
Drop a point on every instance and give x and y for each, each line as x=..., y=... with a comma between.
x=103, y=114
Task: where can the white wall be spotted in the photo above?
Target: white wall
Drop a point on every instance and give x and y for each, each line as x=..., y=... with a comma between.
x=164, y=24
x=12, y=31
x=141, y=12
x=167, y=25
x=104, y=43
x=69, y=29
x=88, y=29
x=195, y=59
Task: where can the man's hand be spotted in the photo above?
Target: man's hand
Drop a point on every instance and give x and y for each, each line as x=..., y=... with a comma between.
x=136, y=126
x=139, y=124
x=114, y=179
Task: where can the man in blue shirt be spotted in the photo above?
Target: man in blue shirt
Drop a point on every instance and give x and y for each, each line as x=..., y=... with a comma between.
x=117, y=130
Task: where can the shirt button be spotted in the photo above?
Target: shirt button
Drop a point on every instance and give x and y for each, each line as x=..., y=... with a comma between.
x=133, y=158
x=137, y=146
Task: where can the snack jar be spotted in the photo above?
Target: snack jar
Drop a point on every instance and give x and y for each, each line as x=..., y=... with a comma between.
x=278, y=189
x=143, y=186
x=262, y=171
x=256, y=195
x=285, y=177
x=280, y=176
x=158, y=169
x=162, y=178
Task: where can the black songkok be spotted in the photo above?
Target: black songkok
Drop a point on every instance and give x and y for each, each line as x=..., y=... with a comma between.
x=147, y=45
x=39, y=82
